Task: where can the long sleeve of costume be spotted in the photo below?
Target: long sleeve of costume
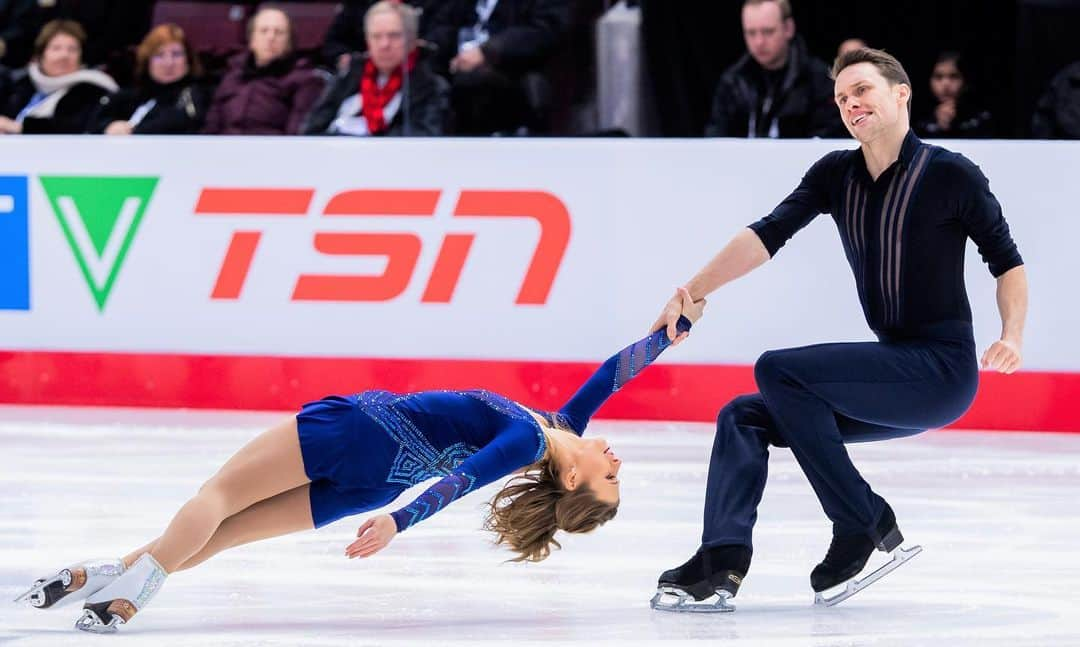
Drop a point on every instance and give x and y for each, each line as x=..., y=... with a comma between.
x=613, y=374
x=514, y=448
x=805, y=203
x=985, y=224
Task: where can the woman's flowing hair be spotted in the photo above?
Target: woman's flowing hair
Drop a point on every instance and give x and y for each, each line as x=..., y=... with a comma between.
x=531, y=507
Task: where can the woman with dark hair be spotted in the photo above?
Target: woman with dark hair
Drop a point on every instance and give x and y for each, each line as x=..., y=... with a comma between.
x=168, y=98
x=55, y=95
x=955, y=114
x=345, y=455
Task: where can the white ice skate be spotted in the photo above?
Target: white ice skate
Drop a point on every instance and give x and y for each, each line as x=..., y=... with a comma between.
x=76, y=582
x=899, y=557
x=115, y=604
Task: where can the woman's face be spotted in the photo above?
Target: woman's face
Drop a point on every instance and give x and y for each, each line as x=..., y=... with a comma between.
x=62, y=55
x=169, y=63
x=946, y=82
x=593, y=464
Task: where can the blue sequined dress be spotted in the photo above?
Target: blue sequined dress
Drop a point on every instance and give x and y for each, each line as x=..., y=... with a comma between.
x=362, y=451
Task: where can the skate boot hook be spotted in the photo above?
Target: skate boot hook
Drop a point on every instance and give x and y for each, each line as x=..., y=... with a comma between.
x=705, y=583
x=847, y=556
x=76, y=582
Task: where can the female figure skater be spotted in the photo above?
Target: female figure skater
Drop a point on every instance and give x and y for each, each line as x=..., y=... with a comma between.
x=344, y=455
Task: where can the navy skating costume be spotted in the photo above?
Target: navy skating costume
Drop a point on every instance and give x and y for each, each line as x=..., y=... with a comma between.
x=362, y=451
x=904, y=236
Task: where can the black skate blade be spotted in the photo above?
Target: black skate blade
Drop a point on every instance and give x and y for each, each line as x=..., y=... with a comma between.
x=676, y=600
x=854, y=585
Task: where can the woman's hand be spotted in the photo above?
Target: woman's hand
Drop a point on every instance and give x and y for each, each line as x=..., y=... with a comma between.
x=680, y=304
x=373, y=536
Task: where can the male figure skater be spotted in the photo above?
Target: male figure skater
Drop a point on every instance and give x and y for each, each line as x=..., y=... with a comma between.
x=904, y=210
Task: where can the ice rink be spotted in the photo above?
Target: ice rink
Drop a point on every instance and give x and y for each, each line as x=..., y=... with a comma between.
x=998, y=516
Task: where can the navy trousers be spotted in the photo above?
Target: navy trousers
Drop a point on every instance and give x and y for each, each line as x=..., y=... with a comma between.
x=814, y=399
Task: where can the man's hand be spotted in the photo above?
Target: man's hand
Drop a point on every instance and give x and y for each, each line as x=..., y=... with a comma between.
x=468, y=60
x=373, y=536
x=680, y=304
x=10, y=126
x=119, y=128
x=1003, y=356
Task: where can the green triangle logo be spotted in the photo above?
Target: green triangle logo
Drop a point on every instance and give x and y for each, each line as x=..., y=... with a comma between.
x=99, y=217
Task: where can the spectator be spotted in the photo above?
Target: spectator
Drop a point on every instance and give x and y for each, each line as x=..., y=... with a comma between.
x=267, y=90
x=776, y=89
x=387, y=91
x=168, y=99
x=495, y=52
x=850, y=45
x=955, y=113
x=54, y=94
x=346, y=37
x=1057, y=114
x=19, y=21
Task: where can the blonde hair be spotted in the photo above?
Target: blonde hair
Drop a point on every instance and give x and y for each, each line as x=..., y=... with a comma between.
x=531, y=507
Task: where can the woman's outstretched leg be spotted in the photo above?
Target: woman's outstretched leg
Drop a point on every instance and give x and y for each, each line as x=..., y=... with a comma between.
x=281, y=514
x=266, y=466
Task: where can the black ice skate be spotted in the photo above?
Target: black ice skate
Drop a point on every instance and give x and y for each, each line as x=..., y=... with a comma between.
x=712, y=572
x=76, y=582
x=848, y=555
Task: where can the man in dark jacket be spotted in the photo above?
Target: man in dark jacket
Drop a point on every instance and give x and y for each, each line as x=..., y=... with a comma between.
x=495, y=52
x=388, y=91
x=776, y=89
x=267, y=90
x=1057, y=115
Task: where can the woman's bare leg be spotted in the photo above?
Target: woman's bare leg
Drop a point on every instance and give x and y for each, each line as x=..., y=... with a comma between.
x=268, y=465
x=279, y=515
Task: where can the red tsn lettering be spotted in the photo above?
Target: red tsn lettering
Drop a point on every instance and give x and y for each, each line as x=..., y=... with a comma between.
x=402, y=250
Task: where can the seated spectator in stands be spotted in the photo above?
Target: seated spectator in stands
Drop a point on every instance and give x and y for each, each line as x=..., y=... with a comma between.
x=1057, y=114
x=19, y=22
x=346, y=37
x=389, y=90
x=776, y=89
x=955, y=113
x=267, y=90
x=850, y=45
x=167, y=99
x=54, y=94
x=495, y=52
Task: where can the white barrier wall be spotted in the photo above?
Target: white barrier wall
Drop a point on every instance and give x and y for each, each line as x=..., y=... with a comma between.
x=618, y=225
x=643, y=216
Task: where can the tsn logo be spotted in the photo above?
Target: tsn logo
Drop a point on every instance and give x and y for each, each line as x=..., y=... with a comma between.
x=401, y=249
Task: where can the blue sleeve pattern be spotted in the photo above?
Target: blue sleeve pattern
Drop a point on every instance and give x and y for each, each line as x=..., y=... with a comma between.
x=519, y=444
x=613, y=375
x=435, y=498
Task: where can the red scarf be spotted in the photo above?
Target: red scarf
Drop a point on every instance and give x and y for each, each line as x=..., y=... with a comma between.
x=375, y=99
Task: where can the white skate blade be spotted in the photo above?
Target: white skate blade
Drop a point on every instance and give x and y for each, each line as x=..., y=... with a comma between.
x=92, y=623
x=899, y=557
x=675, y=600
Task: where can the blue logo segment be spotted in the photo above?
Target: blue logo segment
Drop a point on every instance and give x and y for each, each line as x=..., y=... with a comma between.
x=14, y=243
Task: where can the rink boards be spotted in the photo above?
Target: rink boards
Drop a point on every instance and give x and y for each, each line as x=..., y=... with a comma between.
x=258, y=273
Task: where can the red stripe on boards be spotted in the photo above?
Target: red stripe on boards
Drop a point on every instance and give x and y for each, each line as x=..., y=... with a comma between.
x=1027, y=401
